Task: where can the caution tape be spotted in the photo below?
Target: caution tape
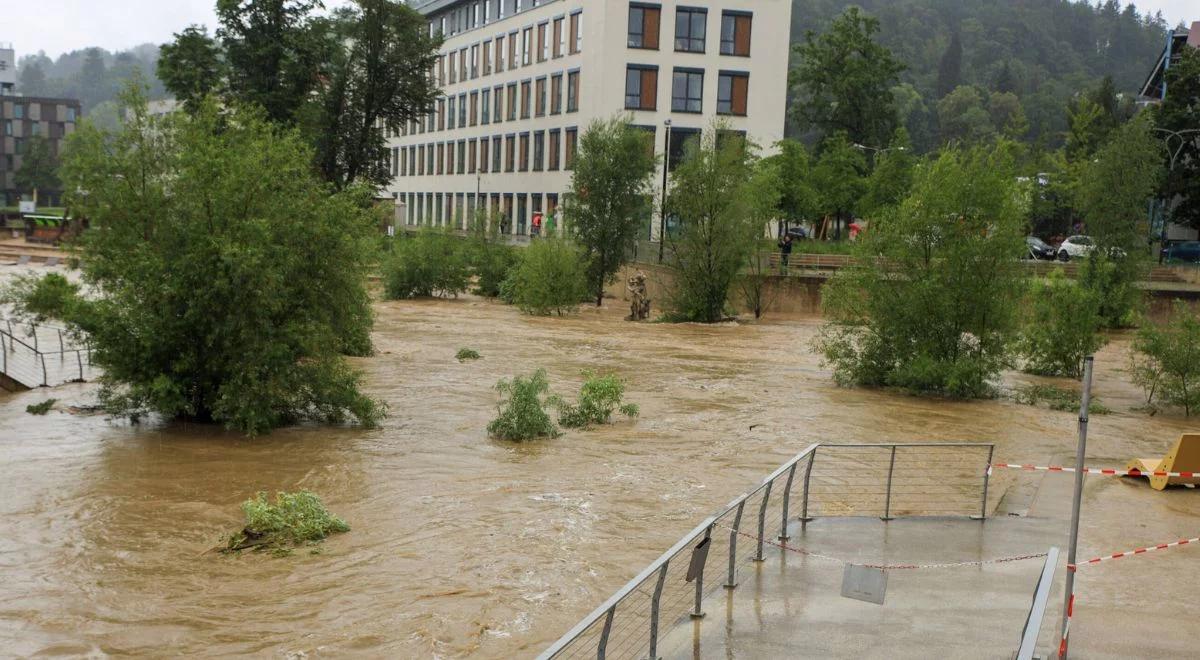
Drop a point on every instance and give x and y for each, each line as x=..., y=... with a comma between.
x=1062, y=646
x=1105, y=471
x=884, y=567
x=1130, y=553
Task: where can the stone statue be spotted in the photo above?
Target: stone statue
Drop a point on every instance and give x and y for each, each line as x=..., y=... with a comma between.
x=639, y=302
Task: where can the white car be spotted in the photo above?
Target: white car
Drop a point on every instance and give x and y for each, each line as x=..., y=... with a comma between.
x=1076, y=247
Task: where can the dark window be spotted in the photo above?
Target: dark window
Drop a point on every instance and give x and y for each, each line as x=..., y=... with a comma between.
x=572, y=136
x=555, y=149
x=462, y=156
x=643, y=26
x=559, y=38
x=690, y=29
x=539, y=150
x=498, y=115
x=510, y=153
x=462, y=110
x=687, y=90
x=735, y=34
x=732, y=90
x=575, y=38
x=679, y=141
x=572, y=91
x=497, y=153
x=524, y=162
x=451, y=114
x=539, y=105
x=526, y=99
x=641, y=88
x=485, y=107
x=512, y=102
x=474, y=108
x=556, y=94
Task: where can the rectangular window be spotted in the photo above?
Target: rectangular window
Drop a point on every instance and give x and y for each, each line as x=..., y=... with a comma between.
x=575, y=37
x=539, y=150
x=559, y=38
x=471, y=157
x=497, y=153
x=462, y=65
x=641, y=88
x=572, y=135
x=441, y=72
x=524, y=163
x=474, y=62
x=732, y=89
x=449, y=158
x=556, y=93
x=429, y=160
x=462, y=110
x=453, y=68
x=421, y=160
x=690, y=29
x=412, y=160
x=500, y=54
x=510, y=153
x=441, y=113
x=555, y=149
x=487, y=58
x=485, y=107
x=451, y=115
x=474, y=108
x=527, y=47
x=462, y=156
x=643, y=26
x=487, y=11
x=441, y=158
x=513, y=62
x=526, y=99
x=399, y=161
x=687, y=90
x=18, y=111
x=572, y=91
x=539, y=94
x=512, y=101
x=498, y=107
x=483, y=155
x=735, y=33
x=680, y=139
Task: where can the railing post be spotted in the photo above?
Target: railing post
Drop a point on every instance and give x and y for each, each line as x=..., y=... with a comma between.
x=698, y=613
x=812, y=458
x=603, y=645
x=79, y=359
x=60, y=342
x=762, y=520
x=987, y=473
x=33, y=329
x=45, y=378
x=654, y=602
x=731, y=581
x=787, y=493
x=887, y=503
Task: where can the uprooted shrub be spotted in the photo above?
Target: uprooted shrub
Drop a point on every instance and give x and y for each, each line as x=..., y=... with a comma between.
x=465, y=354
x=293, y=519
x=598, y=398
x=431, y=263
x=522, y=409
x=40, y=408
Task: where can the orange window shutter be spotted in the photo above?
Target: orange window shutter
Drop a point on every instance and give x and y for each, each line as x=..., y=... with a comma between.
x=741, y=35
x=741, y=89
x=650, y=23
x=574, y=34
x=649, y=89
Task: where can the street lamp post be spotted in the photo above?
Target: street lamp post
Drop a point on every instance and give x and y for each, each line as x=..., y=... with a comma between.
x=662, y=220
x=1173, y=153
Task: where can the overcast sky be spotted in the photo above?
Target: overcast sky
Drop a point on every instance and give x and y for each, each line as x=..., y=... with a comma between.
x=56, y=26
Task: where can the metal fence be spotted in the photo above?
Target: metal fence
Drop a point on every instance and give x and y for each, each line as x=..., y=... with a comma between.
x=42, y=355
x=887, y=479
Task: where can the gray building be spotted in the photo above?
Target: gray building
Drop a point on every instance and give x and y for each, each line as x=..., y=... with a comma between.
x=23, y=118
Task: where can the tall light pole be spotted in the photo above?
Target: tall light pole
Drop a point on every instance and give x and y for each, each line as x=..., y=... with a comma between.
x=1076, y=500
x=1173, y=153
x=662, y=220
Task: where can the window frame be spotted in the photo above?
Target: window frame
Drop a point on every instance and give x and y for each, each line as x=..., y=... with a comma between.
x=687, y=98
x=733, y=77
x=642, y=103
x=736, y=16
x=691, y=38
x=646, y=39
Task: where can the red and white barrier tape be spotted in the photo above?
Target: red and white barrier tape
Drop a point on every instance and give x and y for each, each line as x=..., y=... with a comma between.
x=884, y=567
x=1062, y=646
x=1130, y=553
x=1105, y=471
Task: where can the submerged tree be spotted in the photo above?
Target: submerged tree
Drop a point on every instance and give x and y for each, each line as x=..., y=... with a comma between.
x=723, y=200
x=225, y=279
x=610, y=195
x=931, y=304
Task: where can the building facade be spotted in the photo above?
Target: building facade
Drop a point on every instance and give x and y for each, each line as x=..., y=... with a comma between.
x=522, y=80
x=23, y=118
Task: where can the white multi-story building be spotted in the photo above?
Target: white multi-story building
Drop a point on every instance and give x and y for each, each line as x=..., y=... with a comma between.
x=522, y=79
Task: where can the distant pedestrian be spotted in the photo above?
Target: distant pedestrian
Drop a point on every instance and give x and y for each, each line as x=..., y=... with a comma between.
x=785, y=251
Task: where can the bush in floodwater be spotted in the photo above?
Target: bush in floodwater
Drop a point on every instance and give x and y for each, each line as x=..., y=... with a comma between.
x=550, y=278
x=598, y=398
x=431, y=263
x=40, y=408
x=522, y=409
x=465, y=354
x=1061, y=327
x=1056, y=398
x=292, y=519
x=38, y=298
x=490, y=257
x=1166, y=360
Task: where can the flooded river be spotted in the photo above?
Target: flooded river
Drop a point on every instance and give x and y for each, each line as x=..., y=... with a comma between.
x=459, y=545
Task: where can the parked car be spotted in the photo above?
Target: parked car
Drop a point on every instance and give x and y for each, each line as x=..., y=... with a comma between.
x=1076, y=247
x=1037, y=249
x=1182, y=253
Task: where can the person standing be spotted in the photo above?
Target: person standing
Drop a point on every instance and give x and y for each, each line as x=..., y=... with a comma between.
x=785, y=251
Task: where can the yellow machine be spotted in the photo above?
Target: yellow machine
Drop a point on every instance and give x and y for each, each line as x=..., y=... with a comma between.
x=1183, y=458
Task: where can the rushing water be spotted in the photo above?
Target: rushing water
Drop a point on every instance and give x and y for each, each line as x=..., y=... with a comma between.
x=459, y=545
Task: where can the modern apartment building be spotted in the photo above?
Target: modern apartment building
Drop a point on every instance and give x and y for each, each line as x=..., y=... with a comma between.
x=23, y=118
x=522, y=79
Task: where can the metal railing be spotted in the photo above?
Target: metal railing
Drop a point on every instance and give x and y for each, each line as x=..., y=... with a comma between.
x=1037, y=611
x=42, y=355
x=672, y=588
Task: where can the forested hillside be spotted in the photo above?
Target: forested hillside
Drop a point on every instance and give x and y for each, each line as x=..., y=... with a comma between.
x=1043, y=51
x=92, y=75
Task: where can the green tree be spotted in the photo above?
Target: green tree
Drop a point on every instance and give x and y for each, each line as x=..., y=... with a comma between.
x=891, y=179
x=550, y=278
x=490, y=256
x=1087, y=128
x=843, y=80
x=93, y=78
x=377, y=75
x=191, y=67
x=838, y=176
x=434, y=262
x=274, y=50
x=610, y=195
x=32, y=80
x=931, y=304
x=950, y=68
x=1116, y=185
x=963, y=117
x=227, y=280
x=1008, y=115
x=1062, y=327
x=799, y=200
x=1166, y=360
x=1180, y=111
x=723, y=199
x=39, y=168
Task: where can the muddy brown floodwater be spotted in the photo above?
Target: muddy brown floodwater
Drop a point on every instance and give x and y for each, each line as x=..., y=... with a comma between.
x=459, y=545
